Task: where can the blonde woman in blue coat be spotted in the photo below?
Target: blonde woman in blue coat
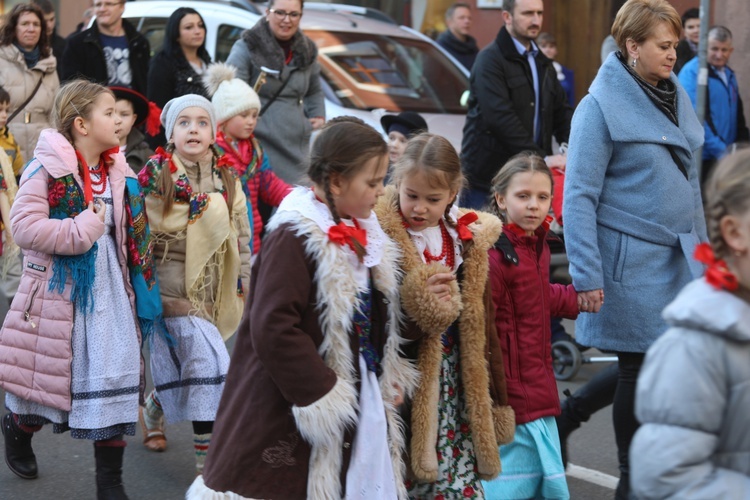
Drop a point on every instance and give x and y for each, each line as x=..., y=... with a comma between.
x=633, y=211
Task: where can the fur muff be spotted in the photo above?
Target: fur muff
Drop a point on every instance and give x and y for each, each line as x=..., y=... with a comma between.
x=472, y=343
x=337, y=299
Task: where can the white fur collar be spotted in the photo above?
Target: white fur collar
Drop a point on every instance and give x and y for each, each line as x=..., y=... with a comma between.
x=303, y=200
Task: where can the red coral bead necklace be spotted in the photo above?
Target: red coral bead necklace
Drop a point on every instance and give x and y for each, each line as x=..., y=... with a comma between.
x=448, y=254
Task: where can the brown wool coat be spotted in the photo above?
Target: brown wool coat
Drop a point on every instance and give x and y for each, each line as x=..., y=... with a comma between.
x=491, y=419
x=286, y=420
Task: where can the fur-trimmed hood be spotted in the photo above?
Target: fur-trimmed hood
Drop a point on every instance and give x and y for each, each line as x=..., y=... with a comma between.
x=265, y=51
x=481, y=367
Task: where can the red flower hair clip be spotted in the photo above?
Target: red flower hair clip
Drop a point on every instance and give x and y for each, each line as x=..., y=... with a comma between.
x=163, y=154
x=717, y=274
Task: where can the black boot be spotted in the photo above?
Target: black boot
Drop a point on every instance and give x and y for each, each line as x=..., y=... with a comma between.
x=18, y=453
x=109, y=472
x=567, y=422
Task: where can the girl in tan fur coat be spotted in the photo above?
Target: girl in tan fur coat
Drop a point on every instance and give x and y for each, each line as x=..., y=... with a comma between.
x=459, y=412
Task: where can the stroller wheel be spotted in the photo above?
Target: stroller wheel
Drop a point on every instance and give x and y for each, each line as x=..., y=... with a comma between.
x=566, y=359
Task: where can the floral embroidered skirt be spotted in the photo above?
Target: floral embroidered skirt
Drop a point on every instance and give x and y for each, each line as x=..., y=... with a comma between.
x=457, y=463
x=532, y=464
x=189, y=375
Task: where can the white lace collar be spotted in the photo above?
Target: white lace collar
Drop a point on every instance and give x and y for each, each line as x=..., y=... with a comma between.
x=303, y=201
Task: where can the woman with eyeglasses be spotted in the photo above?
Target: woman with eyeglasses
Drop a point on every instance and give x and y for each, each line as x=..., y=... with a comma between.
x=178, y=68
x=28, y=73
x=292, y=101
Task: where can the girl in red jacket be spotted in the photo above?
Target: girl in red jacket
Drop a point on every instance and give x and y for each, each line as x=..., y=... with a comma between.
x=524, y=299
x=237, y=113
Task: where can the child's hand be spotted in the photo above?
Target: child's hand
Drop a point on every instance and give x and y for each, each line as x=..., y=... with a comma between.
x=591, y=301
x=438, y=284
x=100, y=209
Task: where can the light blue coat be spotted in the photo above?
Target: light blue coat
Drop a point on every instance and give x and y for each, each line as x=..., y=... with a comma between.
x=632, y=219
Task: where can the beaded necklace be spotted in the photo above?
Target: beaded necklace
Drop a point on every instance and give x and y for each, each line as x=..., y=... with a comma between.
x=448, y=254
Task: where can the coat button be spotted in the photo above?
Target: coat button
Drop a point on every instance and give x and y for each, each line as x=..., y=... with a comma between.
x=190, y=79
x=347, y=445
x=664, y=138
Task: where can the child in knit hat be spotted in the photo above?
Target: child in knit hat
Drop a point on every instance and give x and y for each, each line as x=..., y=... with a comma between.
x=237, y=107
x=198, y=217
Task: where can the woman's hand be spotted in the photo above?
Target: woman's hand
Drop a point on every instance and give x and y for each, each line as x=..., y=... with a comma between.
x=438, y=284
x=591, y=301
x=100, y=209
x=317, y=122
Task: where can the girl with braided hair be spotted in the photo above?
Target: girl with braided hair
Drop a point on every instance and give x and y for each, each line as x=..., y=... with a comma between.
x=693, y=394
x=310, y=405
x=459, y=413
x=70, y=345
x=202, y=234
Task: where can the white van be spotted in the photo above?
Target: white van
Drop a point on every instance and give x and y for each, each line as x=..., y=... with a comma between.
x=369, y=66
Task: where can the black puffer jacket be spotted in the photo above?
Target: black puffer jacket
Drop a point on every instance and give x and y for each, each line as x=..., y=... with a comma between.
x=84, y=57
x=500, y=120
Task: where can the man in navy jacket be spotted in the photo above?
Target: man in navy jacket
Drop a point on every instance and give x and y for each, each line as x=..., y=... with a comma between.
x=516, y=104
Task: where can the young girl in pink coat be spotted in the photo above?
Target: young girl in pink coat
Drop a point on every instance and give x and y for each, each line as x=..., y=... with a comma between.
x=70, y=345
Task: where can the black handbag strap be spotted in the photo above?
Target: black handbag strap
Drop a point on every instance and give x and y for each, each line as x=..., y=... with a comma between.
x=276, y=95
x=27, y=101
x=677, y=160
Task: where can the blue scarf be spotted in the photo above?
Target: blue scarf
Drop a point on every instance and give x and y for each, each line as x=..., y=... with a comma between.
x=66, y=200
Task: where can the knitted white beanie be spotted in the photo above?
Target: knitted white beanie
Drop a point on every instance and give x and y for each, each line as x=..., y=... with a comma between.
x=230, y=96
x=174, y=107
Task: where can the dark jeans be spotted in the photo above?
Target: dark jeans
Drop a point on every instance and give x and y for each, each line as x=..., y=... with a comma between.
x=623, y=415
x=597, y=393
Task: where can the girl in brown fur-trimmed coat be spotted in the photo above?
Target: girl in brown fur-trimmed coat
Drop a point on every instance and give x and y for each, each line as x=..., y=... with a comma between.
x=459, y=412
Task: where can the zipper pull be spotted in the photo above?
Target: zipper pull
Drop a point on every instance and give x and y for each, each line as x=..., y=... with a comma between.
x=27, y=317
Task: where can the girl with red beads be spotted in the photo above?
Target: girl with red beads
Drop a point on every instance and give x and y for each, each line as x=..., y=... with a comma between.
x=70, y=345
x=459, y=413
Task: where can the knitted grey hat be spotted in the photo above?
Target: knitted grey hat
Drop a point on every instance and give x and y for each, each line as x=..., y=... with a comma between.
x=174, y=107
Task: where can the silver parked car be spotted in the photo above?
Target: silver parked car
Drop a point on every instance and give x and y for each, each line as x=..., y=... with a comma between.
x=369, y=66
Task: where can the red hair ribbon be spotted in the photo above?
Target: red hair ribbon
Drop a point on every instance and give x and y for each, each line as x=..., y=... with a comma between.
x=160, y=151
x=343, y=234
x=223, y=162
x=717, y=274
x=546, y=222
x=462, y=226
x=153, y=119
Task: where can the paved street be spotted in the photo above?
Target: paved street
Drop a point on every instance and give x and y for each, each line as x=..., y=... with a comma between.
x=67, y=465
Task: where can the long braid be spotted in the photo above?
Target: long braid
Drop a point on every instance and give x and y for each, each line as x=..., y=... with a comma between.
x=329, y=199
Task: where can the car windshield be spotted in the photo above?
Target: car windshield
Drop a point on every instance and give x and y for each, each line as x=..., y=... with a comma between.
x=369, y=71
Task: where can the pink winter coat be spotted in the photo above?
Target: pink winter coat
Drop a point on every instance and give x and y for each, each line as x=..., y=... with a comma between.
x=35, y=341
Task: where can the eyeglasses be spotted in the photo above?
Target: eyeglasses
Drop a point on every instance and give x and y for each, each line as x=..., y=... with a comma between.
x=281, y=14
x=106, y=5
